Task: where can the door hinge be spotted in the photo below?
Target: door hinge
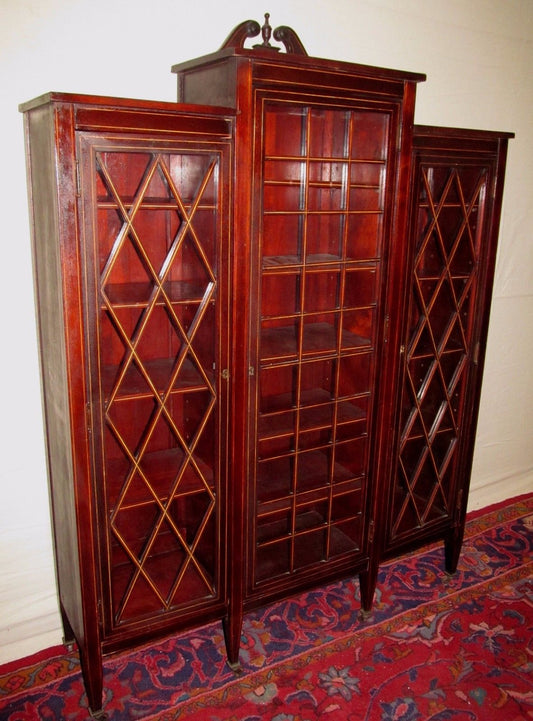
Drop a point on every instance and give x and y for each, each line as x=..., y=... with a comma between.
x=88, y=418
x=225, y=374
x=475, y=358
x=78, y=183
x=371, y=532
x=386, y=329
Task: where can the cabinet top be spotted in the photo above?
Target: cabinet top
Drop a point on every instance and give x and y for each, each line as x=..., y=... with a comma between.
x=427, y=133
x=259, y=56
x=112, y=103
x=105, y=114
x=295, y=54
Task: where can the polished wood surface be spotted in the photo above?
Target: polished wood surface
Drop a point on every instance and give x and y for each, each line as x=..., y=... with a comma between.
x=262, y=316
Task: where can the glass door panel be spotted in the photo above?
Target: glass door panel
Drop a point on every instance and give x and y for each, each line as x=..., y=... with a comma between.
x=448, y=235
x=156, y=228
x=320, y=269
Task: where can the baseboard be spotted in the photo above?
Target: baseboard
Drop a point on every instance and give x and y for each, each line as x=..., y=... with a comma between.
x=499, y=490
x=30, y=636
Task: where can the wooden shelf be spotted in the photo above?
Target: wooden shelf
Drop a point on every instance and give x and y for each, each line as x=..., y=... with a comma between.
x=160, y=470
x=318, y=339
x=280, y=476
x=134, y=386
x=137, y=295
x=296, y=553
x=156, y=587
x=164, y=204
x=323, y=413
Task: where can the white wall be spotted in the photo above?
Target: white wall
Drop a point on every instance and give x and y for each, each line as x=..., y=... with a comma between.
x=478, y=57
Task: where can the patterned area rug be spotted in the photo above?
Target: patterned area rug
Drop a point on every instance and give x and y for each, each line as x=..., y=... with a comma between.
x=435, y=647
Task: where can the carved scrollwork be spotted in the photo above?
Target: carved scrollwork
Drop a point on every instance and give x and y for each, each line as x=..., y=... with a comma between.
x=246, y=29
x=251, y=28
x=290, y=39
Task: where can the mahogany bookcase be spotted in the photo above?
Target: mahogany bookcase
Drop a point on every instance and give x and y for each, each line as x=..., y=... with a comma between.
x=262, y=317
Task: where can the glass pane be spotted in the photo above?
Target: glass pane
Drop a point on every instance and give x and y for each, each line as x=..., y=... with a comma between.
x=324, y=237
x=310, y=548
x=283, y=130
x=447, y=234
x=364, y=236
x=156, y=240
x=320, y=243
x=360, y=287
x=354, y=376
x=322, y=290
x=280, y=294
x=277, y=388
x=328, y=133
x=273, y=560
x=275, y=478
x=282, y=240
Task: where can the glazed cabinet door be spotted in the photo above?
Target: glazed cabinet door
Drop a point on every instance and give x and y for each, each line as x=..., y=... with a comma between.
x=456, y=196
x=155, y=246
x=317, y=341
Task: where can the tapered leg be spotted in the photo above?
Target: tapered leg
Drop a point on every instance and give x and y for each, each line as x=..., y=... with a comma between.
x=452, y=548
x=232, y=624
x=367, y=583
x=93, y=679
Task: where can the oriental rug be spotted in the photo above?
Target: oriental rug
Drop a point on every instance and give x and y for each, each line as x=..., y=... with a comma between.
x=434, y=647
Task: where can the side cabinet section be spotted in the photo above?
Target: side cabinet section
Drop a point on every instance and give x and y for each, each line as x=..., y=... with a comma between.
x=153, y=243
x=457, y=183
x=132, y=283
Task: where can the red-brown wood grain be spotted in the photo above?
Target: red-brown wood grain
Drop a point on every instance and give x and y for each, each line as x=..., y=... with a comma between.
x=262, y=332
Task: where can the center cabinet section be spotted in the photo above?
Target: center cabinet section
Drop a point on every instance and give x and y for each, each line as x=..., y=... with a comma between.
x=319, y=331
x=322, y=153
x=156, y=260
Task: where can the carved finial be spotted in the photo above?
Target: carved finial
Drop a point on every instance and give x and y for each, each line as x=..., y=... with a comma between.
x=266, y=33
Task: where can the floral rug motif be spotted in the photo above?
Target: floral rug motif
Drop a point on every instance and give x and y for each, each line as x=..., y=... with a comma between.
x=435, y=647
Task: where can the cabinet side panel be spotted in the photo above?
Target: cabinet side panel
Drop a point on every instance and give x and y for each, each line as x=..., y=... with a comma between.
x=211, y=85
x=51, y=330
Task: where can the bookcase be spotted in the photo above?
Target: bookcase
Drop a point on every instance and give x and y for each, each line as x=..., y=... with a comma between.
x=262, y=314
